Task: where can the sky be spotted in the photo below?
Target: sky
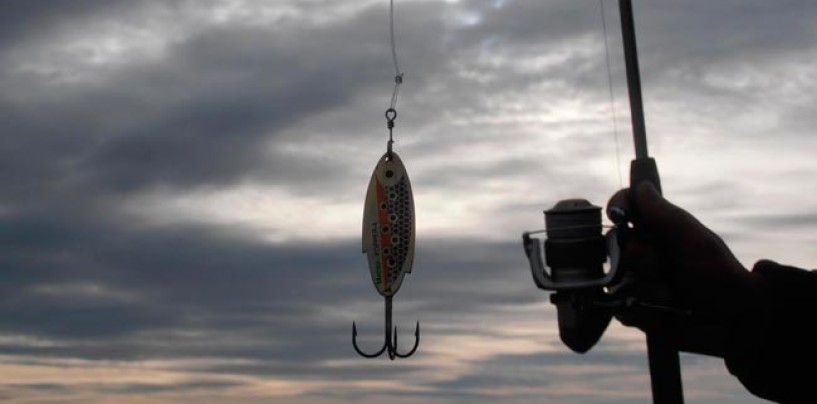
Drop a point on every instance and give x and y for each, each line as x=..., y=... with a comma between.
x=183, y=187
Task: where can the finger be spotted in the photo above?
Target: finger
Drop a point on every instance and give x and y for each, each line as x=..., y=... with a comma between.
x=665, y=221
x=641, y=259
x=618, y=200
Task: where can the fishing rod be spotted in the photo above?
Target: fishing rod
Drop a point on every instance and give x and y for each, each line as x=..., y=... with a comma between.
x=576, y=250
x=662, y=350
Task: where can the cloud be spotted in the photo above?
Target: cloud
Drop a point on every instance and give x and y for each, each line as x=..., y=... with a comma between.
x=182, y=185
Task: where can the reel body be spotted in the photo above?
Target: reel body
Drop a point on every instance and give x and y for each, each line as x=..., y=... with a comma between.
x=575, y=253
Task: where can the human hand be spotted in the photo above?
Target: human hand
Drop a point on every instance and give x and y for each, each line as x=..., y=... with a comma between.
x=678, y=262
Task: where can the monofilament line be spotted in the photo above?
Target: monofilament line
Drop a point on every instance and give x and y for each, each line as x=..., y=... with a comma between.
x=398, y=75
x=612, y=95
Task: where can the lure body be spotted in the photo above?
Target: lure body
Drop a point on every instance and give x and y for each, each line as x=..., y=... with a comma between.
x=388, y=224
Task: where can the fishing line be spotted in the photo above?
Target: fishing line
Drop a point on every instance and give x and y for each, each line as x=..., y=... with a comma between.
x=398, y=75
x=612, y=95
x=391, y=112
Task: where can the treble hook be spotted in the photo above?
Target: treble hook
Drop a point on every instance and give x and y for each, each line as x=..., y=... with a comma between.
x=390, y=346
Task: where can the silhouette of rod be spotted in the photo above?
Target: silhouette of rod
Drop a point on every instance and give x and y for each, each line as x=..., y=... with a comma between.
x=662, y=351
x=665, y=368
x=633, y=79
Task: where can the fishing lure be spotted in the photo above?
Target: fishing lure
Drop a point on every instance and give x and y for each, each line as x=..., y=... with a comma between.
x=389, y=226
x=388, y=241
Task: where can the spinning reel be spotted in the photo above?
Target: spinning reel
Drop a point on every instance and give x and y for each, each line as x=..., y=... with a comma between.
x=586, y=297
x=576, y=251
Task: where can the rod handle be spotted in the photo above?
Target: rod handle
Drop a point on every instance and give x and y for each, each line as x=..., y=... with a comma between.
x=665, y=368
x=644, y=170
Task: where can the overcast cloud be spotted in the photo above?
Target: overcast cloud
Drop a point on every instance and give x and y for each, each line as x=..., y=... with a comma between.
x=183, y=185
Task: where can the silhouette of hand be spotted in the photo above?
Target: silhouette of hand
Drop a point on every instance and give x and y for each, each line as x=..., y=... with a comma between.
x=678, y=262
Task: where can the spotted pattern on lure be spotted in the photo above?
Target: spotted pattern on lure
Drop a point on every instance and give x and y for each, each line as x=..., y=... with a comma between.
x=388, y=225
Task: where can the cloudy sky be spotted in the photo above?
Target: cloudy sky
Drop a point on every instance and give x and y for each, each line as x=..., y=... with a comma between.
x=183, y=184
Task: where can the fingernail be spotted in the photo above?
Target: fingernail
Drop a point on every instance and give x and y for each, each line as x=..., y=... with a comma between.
x=616, y=214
